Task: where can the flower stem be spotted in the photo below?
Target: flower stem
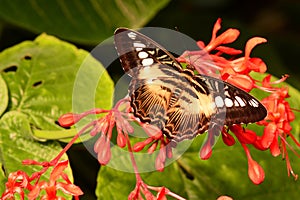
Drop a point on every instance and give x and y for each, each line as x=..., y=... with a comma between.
x=67, y=147
x=134, y=165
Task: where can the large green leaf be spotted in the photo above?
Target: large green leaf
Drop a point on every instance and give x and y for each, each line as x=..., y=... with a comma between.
x=82, y=21
x=42, y=77
x=225, y=173
x=43, y=84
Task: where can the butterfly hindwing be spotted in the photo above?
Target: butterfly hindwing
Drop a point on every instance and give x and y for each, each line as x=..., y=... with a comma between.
x=174, y=99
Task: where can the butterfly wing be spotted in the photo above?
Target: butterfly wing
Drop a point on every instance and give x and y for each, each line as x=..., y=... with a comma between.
x=135, y=50
x=155, y=74
x=176, y=100
x=238, y=105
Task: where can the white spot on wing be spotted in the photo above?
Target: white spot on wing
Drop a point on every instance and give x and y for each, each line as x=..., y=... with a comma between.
x=253, y=103
x=219, y=101
x=228, y=102
x=139, y=44
x=236, y=103
x=131, y=35
x=147, y=61
x=226, y=93
x=142, y=55
x=240, y=100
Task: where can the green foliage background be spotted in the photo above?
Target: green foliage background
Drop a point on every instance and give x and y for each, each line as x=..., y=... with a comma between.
x=38, y=75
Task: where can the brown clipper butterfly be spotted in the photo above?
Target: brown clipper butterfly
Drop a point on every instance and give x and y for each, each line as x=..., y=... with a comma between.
x=176, y=100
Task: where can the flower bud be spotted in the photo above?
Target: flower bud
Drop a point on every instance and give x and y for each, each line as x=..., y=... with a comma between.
x=104, y=154
x=121, y=140
x=68, y=119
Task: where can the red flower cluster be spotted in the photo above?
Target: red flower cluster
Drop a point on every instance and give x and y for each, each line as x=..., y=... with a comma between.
x=19, y=182
x=120, y=119
x=277, y=123
x=103, y=127
x=237, y=72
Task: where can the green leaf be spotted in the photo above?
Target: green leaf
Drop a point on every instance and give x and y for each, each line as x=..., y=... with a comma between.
x=17, y=143
x=225, y=173
x=3, y=96
x=88, y=22
x=46, y=79
x=42, y=78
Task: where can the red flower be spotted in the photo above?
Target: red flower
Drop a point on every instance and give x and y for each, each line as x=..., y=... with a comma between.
x=19, y=182
x=16, y=183
x=255, y=171
x=53, y=184
x=277, y=123
x=103, y=126
x=236, y=70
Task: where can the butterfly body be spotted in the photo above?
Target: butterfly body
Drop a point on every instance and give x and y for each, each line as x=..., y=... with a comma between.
x=177, y=101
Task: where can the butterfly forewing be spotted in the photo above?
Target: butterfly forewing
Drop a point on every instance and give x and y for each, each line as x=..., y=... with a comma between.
x=240, y=107
x=136, y=50
x=174, y=99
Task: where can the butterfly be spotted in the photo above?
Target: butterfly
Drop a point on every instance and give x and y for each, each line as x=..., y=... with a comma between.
x=179, y=102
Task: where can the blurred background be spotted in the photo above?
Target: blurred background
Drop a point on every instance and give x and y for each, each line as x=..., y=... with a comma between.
x=276, y=20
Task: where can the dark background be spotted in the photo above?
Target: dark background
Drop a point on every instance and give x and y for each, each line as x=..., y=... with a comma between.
x=276, y=20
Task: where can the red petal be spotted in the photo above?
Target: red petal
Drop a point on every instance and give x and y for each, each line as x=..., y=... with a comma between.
x=58, y=170
x=244, y=136
x=286, y=127
x=229, y=36
x=226, y=72
x=34, y=193
x=160, y=160
x=255, y=172
x=216, y=28
x=104, y=154
x=226, y=37
x=243, y=82
x=228, y=139
x=201, y=44
x=206, y=151
x=269, y=134
x=251, y=44
x=161, y=195
x=99, y=143
x=140, y=145
x=69, y=189
x=257, y=144
x=274, y=147
x=229, y=50
x=68, y=119
x=257, y=65
x=152, y=148
x=121, y=140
